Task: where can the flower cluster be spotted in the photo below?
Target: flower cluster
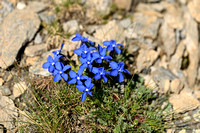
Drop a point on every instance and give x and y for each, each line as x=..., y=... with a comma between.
x=93, y=60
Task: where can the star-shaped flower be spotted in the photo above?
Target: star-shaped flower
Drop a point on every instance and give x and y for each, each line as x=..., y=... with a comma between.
x=112, y=45
x=50, y=64
x=76, y=77
x=83, y=50
x=60, y=71
x=100, y=72
x=118, y=69
x=58, y=52
x=102, y=54
x=87, y=89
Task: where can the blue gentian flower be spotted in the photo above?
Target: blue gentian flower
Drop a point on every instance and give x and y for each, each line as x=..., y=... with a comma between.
x=100, y=72
x=58, y=52
x=112, y=45
x=102, y=54
x=76, y=77
x=83, y=40
x=60, y=71
x=86, y=62
x=87, y=89
x=83, y=50
x=50, y=64
x=118, y=69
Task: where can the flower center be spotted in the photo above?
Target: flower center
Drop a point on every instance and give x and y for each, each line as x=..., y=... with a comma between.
x=101, y=73
x=52, y=63
x=60, y=72
x=119, y=70
x=57, y=52
x=113, y=45
x=85, y=52
x=86, y=89
x=88, y=62
x=78, y=78
x=102, y=57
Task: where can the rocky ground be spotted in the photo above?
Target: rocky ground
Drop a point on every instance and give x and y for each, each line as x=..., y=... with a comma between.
x=162, y=39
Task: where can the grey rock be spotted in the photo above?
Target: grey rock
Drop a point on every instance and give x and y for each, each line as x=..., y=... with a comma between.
x=38, y=39
x=23, y=22
x=6, y=8
x=123, y=4
x=196, y=115
x=47, y=17
x=37, y=6
x=91, y=29
x=125, y=23
x=5, y=91
x=153, y=1
x=71, y=27
x=8, y=112
x=35, y=50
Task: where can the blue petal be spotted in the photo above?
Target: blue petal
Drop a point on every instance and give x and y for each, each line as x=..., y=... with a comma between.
x=83, y=66
x=49, y=59
x=107, y=72
x=55, y=72
x=97, y=76
x=88, y=82
x=57, y=77
x=88, y=56
x=95, y=70
x=107, y=57
x=103, y=52
x=120, y=45
x=78, y=51
x=83, y=55
x=83, y=96
x=80, y=87
x=91, y=42
x=90, y=67
x=82, y=60
x=72, y=74
x=117, y=50
x=78, y=37
x=58, y=66
x=80, y=71
x=62, y=46
x=90, y=93
x=104, y=79
x=90, y=87
x=57, y=57
x=114, y=72
x=79, y=82
x=99, y=60
x=84, y=77
x=121, y=77
x=51, y=68
x=99, y=48
x=110, y=48
x=126, y=71
x=92, y=48
x=66, y=68
x=46, y=65
x=64, y=76
x=72, y=81
x=106, y=43
x=113, y=65
x=84, y=47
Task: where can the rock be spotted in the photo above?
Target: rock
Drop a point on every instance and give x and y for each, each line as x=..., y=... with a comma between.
x=146, y=58
x=37, y=69
x=123, y=4
x=91, y=29
x=196, y=115
x=163, y=78
x=35, y=50
x=125, y=23
x=38, y=39
x=21, y=5
x=101, y=6
x=176, y=86
x=8, y=112
x=47, y=16
x=19, y=89
x=153, y=1
x=5, y=91
x=5, y=8
x=70, y=46
x=192, y=47
x=37, y=6
x=132, y=48
x=146, y=25
x=184, y=101
x=1, y=81
x=194, y=8
x=71, y=27
x=111, y=31
x=31, y=60
x=23, y=22
x=149, y=83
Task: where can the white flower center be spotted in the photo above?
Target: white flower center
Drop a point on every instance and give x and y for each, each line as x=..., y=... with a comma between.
x=78, y=78
x=119, y=70
x=52, y=63
x=113, y=45
x=88, y=62
x=85, y=52
x=86, y=89
x=102, y=57
x=57, y=52
x=101, y=73
x=60, y=72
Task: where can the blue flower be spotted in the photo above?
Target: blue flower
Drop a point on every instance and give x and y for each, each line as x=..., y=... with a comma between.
x=112, y=45
x=76, y=77
x=50, y=64
x=118, y=69
x=58, y=52
x=83, y=50
x=86, y=62
x=78, y=37
x=102, y=54
x=87, y=89
x=60, y=71
x=100, y=72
